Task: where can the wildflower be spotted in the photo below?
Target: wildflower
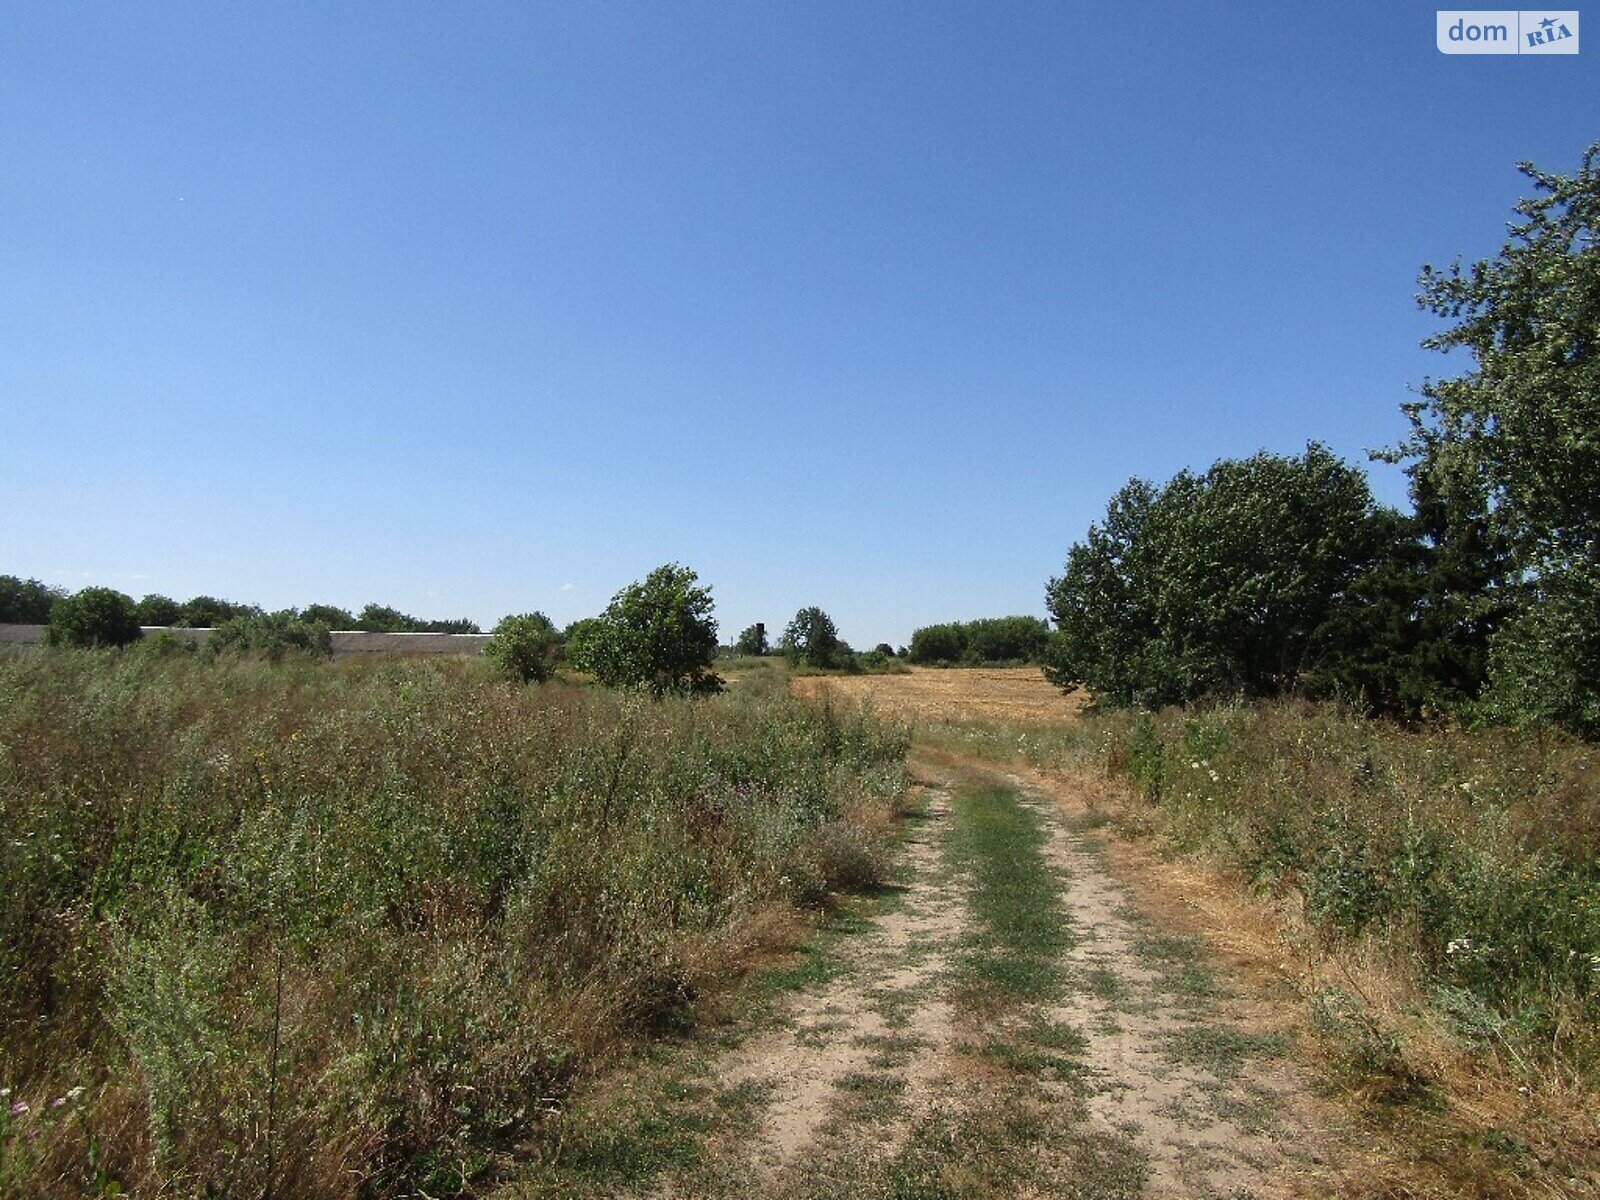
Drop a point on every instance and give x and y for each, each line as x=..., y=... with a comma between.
x=20, y=1108
x=1194, y=765
x=74, y=1092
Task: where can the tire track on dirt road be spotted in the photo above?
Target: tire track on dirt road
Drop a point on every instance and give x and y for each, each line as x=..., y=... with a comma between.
x=1002, y=1023
x=881, y=1025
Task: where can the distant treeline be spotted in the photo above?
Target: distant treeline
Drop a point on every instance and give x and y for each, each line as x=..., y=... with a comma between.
x=29, y=602
x=991, y=640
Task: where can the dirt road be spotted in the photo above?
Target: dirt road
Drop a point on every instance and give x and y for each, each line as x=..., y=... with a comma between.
x=1002, y=1021
x=1005, y=1019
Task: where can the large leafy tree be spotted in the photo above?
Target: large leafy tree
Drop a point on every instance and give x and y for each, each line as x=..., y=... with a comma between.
x=987, y=640
x=813, y=639
x=753, y=641
x=1514, y=443
x=156, y=609
x=658, y=635
x=95, y=616
x=26, y=601
x=207, y=612
x=1218, y=583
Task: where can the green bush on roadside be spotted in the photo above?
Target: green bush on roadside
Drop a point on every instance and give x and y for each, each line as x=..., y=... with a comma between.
x=525, y=647
x=95, y=616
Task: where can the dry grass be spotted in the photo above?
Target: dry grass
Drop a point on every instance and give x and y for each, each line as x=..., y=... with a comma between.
x=1434, y=1120
x=337, y=929
x=1006, y=695
x=1422, y=1112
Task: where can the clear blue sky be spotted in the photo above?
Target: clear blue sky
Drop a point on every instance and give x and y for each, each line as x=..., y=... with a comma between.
x=480, y=308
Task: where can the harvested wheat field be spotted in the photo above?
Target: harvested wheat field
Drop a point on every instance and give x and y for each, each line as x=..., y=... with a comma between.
x=1005, y=695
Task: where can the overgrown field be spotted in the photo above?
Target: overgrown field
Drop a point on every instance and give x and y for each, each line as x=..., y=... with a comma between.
x=1473, y=856
x=338, y=929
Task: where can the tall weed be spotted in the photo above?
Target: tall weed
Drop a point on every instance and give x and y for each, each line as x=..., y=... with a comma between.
x=322, y=928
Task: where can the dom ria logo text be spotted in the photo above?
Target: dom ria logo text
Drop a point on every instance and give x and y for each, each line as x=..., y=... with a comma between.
x=1507, y=32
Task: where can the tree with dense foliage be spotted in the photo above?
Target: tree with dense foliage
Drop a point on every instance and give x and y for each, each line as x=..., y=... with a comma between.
x=330, y=615
x=753, y=641
x=578, y=637
x=525, y=647
x=813, y=639
x=26, y=601
x=96, y=616
x=1006, y=639
x=1220, y=583
x=1517, y=441
x=205, y=612
x=943, y=644
x=156, y=609
x=380, y=618
x=989, y=640
x=658, y=635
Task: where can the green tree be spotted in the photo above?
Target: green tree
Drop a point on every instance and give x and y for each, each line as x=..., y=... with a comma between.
x=753, y=641
x=658, y=635
x=944, y=644
x=156, y=609
x=450, y=625
x=813, y=639
x=525, y=647
x=330, y=615
x=205, y=612
x=96, y=616
x=1215, y=584
x=578, y=639
x=26, y=601
x=1006, y=639
x=989, y=640
x=380, y=618
x=1517, y=439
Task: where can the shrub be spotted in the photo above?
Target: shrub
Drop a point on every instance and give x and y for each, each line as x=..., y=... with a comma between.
x=270, y=635
x=96, y=616
x=525, y=647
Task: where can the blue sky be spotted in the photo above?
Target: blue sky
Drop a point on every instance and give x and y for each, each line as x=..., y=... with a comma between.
x=482, y=308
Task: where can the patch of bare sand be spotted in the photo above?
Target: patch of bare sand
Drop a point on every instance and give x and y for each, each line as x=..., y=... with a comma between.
x=885, y=1015
x=1009, y=695
x=1230, y=1129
